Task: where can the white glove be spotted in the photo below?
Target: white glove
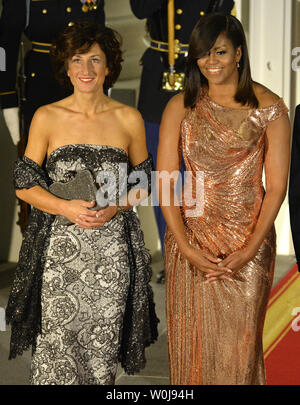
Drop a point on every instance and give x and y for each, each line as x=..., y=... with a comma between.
x=11, y=118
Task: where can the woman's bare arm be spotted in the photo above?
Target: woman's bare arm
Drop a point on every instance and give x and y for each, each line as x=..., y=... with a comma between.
x=168, y=162
x=40, y=198
x=277, y=160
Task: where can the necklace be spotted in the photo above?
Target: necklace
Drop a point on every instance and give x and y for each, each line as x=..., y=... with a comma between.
x=89, y=5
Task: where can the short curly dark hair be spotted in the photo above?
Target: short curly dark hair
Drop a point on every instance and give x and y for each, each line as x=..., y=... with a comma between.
x=79, y=38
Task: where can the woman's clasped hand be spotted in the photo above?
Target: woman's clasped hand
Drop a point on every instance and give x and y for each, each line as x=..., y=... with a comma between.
x=80, y=213
x=215, y=268
x=208, y=264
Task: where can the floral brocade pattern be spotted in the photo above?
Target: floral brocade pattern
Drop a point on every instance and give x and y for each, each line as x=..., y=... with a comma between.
x=85, y=285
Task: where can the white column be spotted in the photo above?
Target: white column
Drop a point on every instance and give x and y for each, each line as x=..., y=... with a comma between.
x=270, y=56
x=238, y=9
x=270, y=44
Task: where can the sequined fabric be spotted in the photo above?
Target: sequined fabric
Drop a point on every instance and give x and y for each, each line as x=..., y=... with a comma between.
x=84, y=293
x=215, y=329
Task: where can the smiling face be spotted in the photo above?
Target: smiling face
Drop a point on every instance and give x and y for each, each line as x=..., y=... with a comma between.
x=219, y=65
x=87, y=71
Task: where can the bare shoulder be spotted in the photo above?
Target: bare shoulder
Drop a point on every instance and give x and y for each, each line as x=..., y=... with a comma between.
x=39, y=135
x=130, y=120
x=46, y=114
x=41, y=114
x=176, y=105
x=132, y=124
x=44, y=123
x=128, y=115
x=265, y=96
x=41, y=123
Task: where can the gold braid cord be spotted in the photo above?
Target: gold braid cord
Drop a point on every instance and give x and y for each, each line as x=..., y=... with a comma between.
x=233, y=11
x=171, y=41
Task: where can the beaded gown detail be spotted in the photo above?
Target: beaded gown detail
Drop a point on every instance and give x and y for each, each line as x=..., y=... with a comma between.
x=215, y=329
x=85, y=285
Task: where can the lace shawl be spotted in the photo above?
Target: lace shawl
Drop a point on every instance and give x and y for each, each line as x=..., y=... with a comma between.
x=23, y=311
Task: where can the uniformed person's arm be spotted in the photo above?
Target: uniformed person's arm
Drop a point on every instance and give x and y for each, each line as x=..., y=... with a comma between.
x=101, y=13
x=223, y=6
x=227, y=6
x=12, y=24
x=294, y=187
x=145, y=8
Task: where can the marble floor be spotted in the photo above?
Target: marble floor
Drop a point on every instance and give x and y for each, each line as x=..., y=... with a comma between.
x=16, y=372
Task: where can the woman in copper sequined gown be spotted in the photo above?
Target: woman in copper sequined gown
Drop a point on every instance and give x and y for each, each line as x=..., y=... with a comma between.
x=219, y=259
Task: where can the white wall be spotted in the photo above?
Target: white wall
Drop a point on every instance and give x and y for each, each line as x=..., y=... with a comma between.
x=270, y=45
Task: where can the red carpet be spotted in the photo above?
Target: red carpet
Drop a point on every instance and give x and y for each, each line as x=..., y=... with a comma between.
x=282, y=332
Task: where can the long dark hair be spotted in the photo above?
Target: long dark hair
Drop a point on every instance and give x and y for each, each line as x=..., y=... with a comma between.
x=203, y=37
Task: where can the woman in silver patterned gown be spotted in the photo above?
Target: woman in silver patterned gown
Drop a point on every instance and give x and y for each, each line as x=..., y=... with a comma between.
x=86, y=287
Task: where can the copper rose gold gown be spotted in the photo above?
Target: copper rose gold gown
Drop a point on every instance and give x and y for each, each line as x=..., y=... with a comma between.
x=215, y=329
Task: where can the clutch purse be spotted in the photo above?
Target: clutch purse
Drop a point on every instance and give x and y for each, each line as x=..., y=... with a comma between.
x=82, y=187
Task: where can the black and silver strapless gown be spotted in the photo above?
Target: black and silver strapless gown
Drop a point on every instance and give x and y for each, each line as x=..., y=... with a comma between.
x=84, y=285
